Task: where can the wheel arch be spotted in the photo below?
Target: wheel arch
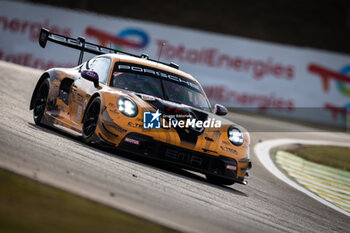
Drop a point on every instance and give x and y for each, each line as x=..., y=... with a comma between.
x=40, y=81
x=94, y=96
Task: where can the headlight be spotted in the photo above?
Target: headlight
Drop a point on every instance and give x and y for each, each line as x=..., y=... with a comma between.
x=235, y=136
x=127, y=106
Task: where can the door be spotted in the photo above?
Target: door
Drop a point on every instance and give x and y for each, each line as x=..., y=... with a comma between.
x=82, y=89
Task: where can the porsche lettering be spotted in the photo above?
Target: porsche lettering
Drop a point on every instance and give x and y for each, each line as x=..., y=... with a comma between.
x=122, y=67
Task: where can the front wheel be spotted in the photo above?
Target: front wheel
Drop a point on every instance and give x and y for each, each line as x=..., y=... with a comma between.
x=218, y=180
x=90, y=120
x=40, y=101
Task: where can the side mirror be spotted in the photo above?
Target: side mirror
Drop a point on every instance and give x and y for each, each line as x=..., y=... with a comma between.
x=220, y=110
x=91, y=76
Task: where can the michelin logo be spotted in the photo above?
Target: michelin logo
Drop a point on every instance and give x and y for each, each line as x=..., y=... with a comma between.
x=151, y=120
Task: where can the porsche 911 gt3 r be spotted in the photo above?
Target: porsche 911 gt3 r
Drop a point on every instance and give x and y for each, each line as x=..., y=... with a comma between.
x=142, y=106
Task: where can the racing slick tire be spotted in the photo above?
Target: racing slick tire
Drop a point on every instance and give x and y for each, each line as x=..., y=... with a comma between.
x=40, y=101
x=90, y=120
x=218, y=180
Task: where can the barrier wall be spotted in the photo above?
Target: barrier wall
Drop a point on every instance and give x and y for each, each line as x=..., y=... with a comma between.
x=234, y=71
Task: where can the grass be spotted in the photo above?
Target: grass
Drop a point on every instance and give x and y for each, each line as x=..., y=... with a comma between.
x=29, y=206
x=334, y=156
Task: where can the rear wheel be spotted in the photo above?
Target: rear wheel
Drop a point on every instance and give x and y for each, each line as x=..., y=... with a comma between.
x=40, y=101
x=219, y=180
x=90, y=120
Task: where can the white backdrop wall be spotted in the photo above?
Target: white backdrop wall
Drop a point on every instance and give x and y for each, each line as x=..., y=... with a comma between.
x=234, y=71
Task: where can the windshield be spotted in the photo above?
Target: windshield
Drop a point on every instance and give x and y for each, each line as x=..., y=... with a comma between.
x=148, y=81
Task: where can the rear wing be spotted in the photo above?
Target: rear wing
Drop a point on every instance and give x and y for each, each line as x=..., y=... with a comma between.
x=83, y=46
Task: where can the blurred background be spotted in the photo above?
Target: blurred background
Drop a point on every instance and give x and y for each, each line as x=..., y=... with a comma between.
x=323, y=24
x=286, y=58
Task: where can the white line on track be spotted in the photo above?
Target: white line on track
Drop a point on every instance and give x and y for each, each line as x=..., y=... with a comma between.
x=262, y=151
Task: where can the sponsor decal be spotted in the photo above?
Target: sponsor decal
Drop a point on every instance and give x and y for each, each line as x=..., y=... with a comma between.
x=78, y=98
x=116, y=112
x=345, y=90
x=79, y=112
x=212, y=57
x=30, y=29
x=111, y=105
x=135, y=125
x=130, y=37
x=85, y=104
x=228, y=149
x=132, y=141
x=139, y=119
x=148, y=97
x=32, y=60
x=327, y=74
x=113, y=108
x=342, y=80
x=207, y=150
x=231, y=167
x=224, y=94
x=335, y=110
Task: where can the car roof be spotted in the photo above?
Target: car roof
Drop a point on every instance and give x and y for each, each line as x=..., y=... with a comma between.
x=146, y=62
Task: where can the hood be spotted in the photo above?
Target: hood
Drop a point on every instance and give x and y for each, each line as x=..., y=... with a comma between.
x=174, y=112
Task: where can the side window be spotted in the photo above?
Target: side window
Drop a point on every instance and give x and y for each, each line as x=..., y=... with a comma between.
x=101, y=66
x=87, y=64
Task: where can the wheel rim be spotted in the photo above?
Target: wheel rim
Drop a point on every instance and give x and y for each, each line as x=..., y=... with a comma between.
x=91, y=119
x=40, y=102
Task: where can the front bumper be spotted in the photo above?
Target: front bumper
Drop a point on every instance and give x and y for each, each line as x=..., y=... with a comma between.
x=204, y=163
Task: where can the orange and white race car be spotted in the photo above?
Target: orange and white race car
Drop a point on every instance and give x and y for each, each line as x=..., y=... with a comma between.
x=142, y=106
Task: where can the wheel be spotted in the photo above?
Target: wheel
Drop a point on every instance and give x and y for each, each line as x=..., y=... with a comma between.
x=40, y=101
x=218, y=180
x=90, y=120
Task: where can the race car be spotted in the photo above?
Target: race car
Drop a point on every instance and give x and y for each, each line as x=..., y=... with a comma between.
x=142, y=106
